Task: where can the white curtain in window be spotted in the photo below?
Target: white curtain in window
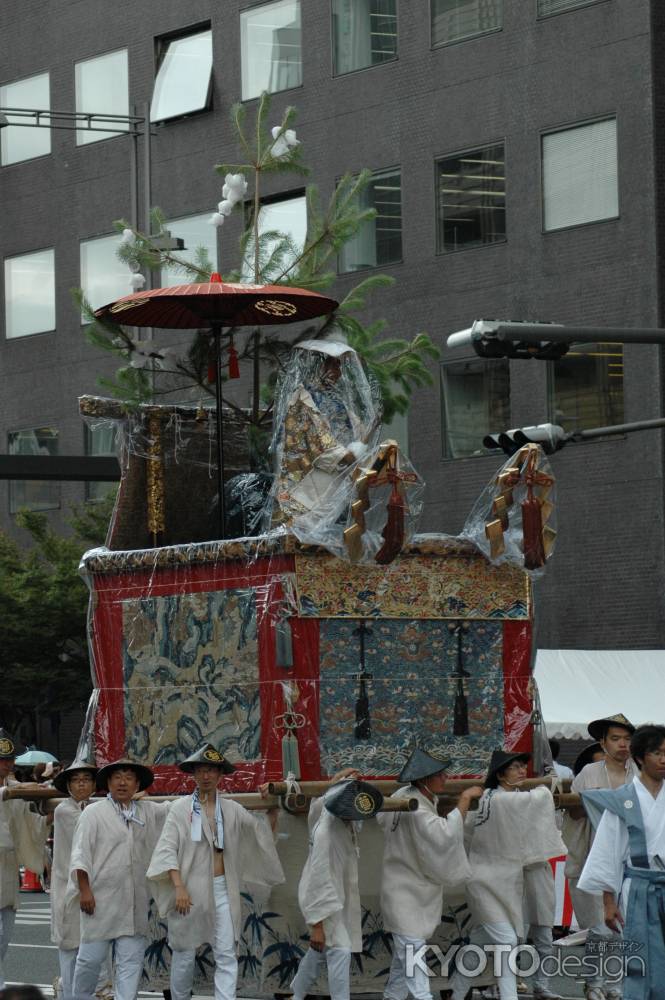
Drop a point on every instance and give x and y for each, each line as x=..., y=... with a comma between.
x=453, y=19
x=271, y=48
x=30, y=294
x=360, y=251
x=17, y=144
x=580, y=175
x=353, y=38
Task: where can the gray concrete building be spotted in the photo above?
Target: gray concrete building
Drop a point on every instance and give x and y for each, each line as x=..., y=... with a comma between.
x=520, y=166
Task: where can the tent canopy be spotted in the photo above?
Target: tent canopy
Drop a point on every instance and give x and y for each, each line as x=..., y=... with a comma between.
x=578, y=685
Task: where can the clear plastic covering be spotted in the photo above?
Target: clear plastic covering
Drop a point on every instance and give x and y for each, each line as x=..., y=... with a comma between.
x=514, y=519
x=335, y=485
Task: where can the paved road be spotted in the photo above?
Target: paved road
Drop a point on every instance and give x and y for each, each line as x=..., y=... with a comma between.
x=33, y=959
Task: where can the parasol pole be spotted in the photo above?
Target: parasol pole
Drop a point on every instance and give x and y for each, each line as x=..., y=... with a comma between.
x=216, y=328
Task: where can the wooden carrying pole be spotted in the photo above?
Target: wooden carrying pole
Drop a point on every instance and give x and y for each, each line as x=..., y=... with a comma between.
x=250, y=800
x=452, y=787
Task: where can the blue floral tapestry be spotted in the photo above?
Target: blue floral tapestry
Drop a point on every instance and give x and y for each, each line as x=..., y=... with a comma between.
x=438, y=684
x=190, y=665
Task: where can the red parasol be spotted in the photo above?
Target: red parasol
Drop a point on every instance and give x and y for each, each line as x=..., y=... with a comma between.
x=217, y=303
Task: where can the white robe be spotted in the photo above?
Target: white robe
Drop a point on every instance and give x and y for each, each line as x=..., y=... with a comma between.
x=22, y=841
x=513, y=832
x=577, y=833
x=116, y=856
x=423, y=854
x=249, y=855
x=603, y=871
x=328, y=889
x=65, y=914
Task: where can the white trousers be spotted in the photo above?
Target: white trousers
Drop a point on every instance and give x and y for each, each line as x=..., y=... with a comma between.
x=541, y=935
x=223, y=948
x=485, y=934
x=129, y=953
x=7, y=918
x=399, y=984
x=338, y=962
x=67, y=961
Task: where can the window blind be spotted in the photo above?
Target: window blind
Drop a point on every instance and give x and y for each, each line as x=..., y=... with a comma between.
x=580, y=175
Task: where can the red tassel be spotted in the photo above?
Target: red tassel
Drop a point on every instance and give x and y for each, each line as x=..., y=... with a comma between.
x=532, y=530
x=212, y=369
x=234, y=367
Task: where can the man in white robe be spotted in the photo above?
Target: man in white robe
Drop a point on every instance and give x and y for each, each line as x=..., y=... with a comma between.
x=22, y=842
x=616, y=768
x=77, y=782
x=423, y=853
x=113, y=843
x=208, y=845
x=328, y=892
x=626, y=864
x=511, y=889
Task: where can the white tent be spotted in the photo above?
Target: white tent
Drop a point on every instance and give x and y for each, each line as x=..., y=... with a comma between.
x=578, y=685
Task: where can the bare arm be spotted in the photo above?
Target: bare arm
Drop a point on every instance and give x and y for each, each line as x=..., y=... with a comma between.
x=87, y=901
x=183, y=902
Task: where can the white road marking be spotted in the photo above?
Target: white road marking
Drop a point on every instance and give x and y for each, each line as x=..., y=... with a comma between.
x=16, y=944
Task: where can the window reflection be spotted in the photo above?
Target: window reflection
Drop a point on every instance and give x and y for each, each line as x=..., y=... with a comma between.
x=182, y=84
x=364, y=33
x=287, y=216
x=378, y=242
x=17, y=144
x=475, y=397
x=100, y=439
x=33, y=494
x=471, y=192
x=30, y=293
x=271, y=48
x=453, y=20
x=197, y=233
x=586, y=387
x=102, y=87
x=104, y=278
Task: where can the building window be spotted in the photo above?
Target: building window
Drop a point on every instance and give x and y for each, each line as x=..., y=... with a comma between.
x=183, y=83
x=586, y=387
x=471, y=192
x=17, y=144
x=580, y=182
x=364, y=33
x=549, y=7
x=454, y=20
x=100, y=440
x=379, y=240
x=102, y=87
x=475, y=398
x=270, y=38
x=33, y=494
x=198, y=235
x=104, y=278
x=30, y=293
x=288, y=217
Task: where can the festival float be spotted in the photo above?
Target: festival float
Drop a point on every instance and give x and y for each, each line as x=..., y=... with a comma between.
x=330, y=634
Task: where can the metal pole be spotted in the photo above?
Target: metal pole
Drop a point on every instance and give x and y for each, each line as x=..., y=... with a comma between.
x=595, y=432
x=543, y=333
x=221, y=514
x=134, y=175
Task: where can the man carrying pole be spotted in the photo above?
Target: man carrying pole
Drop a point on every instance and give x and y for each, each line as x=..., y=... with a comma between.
x=423, y=853
x=208, y=845
x=22, y=841
x=113, y=842
x=328, y=893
